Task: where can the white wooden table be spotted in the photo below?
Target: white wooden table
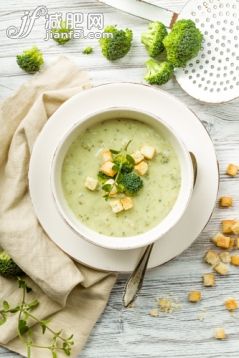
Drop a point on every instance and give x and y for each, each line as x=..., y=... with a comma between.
x=133, y=333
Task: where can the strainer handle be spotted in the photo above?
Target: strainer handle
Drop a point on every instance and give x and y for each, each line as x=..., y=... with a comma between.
x=145, y=10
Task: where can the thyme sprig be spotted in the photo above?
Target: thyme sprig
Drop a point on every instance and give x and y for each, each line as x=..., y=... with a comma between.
x=24, y=310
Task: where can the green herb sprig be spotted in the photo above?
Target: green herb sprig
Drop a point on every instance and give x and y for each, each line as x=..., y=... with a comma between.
x=24, y=310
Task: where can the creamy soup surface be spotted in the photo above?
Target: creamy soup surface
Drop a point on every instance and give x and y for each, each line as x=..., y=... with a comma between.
x=151, y=204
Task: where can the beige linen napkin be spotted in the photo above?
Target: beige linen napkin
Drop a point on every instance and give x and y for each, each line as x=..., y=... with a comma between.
x=72, y=295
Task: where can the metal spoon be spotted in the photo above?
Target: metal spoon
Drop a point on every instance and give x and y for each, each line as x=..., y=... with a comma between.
x=135, y=281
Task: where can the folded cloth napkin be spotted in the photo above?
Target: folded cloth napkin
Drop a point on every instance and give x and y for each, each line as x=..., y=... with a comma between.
x=72, y=295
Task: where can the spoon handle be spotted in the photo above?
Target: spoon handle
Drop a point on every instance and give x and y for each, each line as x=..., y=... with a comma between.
x=135, y=280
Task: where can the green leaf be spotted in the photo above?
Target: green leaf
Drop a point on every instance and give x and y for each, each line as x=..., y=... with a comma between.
x=44, y=324
x=66, y=348
x=116, y=167
x=130, y=159
x=22, y=327
x=3, y=318
x=15, y=309
x=107, y=187
x=33, y=304
x=113, y=151
x=54, y=354
x=5, y=305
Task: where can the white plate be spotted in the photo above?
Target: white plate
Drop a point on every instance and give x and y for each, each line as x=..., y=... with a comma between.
x=178, y=116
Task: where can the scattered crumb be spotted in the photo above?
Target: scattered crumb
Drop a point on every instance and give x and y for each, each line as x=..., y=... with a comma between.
x=232, y=170
x=154, y=312
x=225, y=201
x=225, y=257
x=209, y=279
x=212, y=258
x=201, y=315
x=235, y=260
x=194, y=296
x=221, y=241
x=219, y=333
x=168, y=305
x=227, y=226
x=221, y=268
x=231, y=304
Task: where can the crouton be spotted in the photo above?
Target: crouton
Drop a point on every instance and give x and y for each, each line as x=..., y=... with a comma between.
x=127, y=203
x=209, y=279
x=114, y=188
x=154, y=312
x=137, y=156
x=227, y=226
x=148, y=151
x=221, y=240
x=194, y=296
x=235, y=228
x=221, y=268
x=231, y=304
x=225, y=201
x=225, y=257
x=91, y=183
x=232, y=170
x=219, y=333
x=235, y=260
x=106, y=155
x=237, y=242
x=141, y=168
x=107, y=168
x=232, y=243
x=116, y=206
x=212, y=258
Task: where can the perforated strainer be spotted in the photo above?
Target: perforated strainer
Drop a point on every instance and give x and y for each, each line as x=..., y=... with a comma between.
x=212, y=76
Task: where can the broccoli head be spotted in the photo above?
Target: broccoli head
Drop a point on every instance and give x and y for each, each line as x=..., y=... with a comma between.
x=8, y=268
x=30, y=60
x=153, y=38
x=158, y=73
x=125, y=161
x=183, y=42
x=130, y=183
x=117, y=44
x=62, y=34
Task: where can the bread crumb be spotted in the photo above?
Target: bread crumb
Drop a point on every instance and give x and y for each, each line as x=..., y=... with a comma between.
x=201, y=315
x=225, y=201
x=209, y=279
x=231, y=304
x=221, y=241
x=221, y=268
x=227, y=226
x=168, y=305
x=225, y=257
x=232, y=170
x=235, y=260
x=194, y=296
x=212, y=258
x=219, y=333
x=154, y=312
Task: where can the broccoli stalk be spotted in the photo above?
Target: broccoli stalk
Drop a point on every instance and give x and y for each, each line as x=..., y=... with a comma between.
x=158, y=73
x=62, y=34
x=116, y=44
x=8, y=268
x=183, y=42
x=153, y=38
x=30, y=60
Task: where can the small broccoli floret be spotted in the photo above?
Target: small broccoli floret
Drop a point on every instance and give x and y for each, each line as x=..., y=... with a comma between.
x=158, y=73
x=125, y=161
x=30, y=60
x=87, y=50
x=8, y=268
x=62, y=34
x=153, y=38
x=130, y=183
x=183, y=42
x=117, y=44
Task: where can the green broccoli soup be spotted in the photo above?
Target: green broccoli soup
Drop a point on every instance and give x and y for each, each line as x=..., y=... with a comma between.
x=121, y=177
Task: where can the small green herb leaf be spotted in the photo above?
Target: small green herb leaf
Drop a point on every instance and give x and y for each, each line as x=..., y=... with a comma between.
x=107, y=188
x=130, y=159
x=33, y=304
x=113, y=151
x=5, y=305
x=22, y=326
x=3, y=318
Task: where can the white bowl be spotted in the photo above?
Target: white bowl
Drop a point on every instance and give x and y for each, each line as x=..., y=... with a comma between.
x=130, y=242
